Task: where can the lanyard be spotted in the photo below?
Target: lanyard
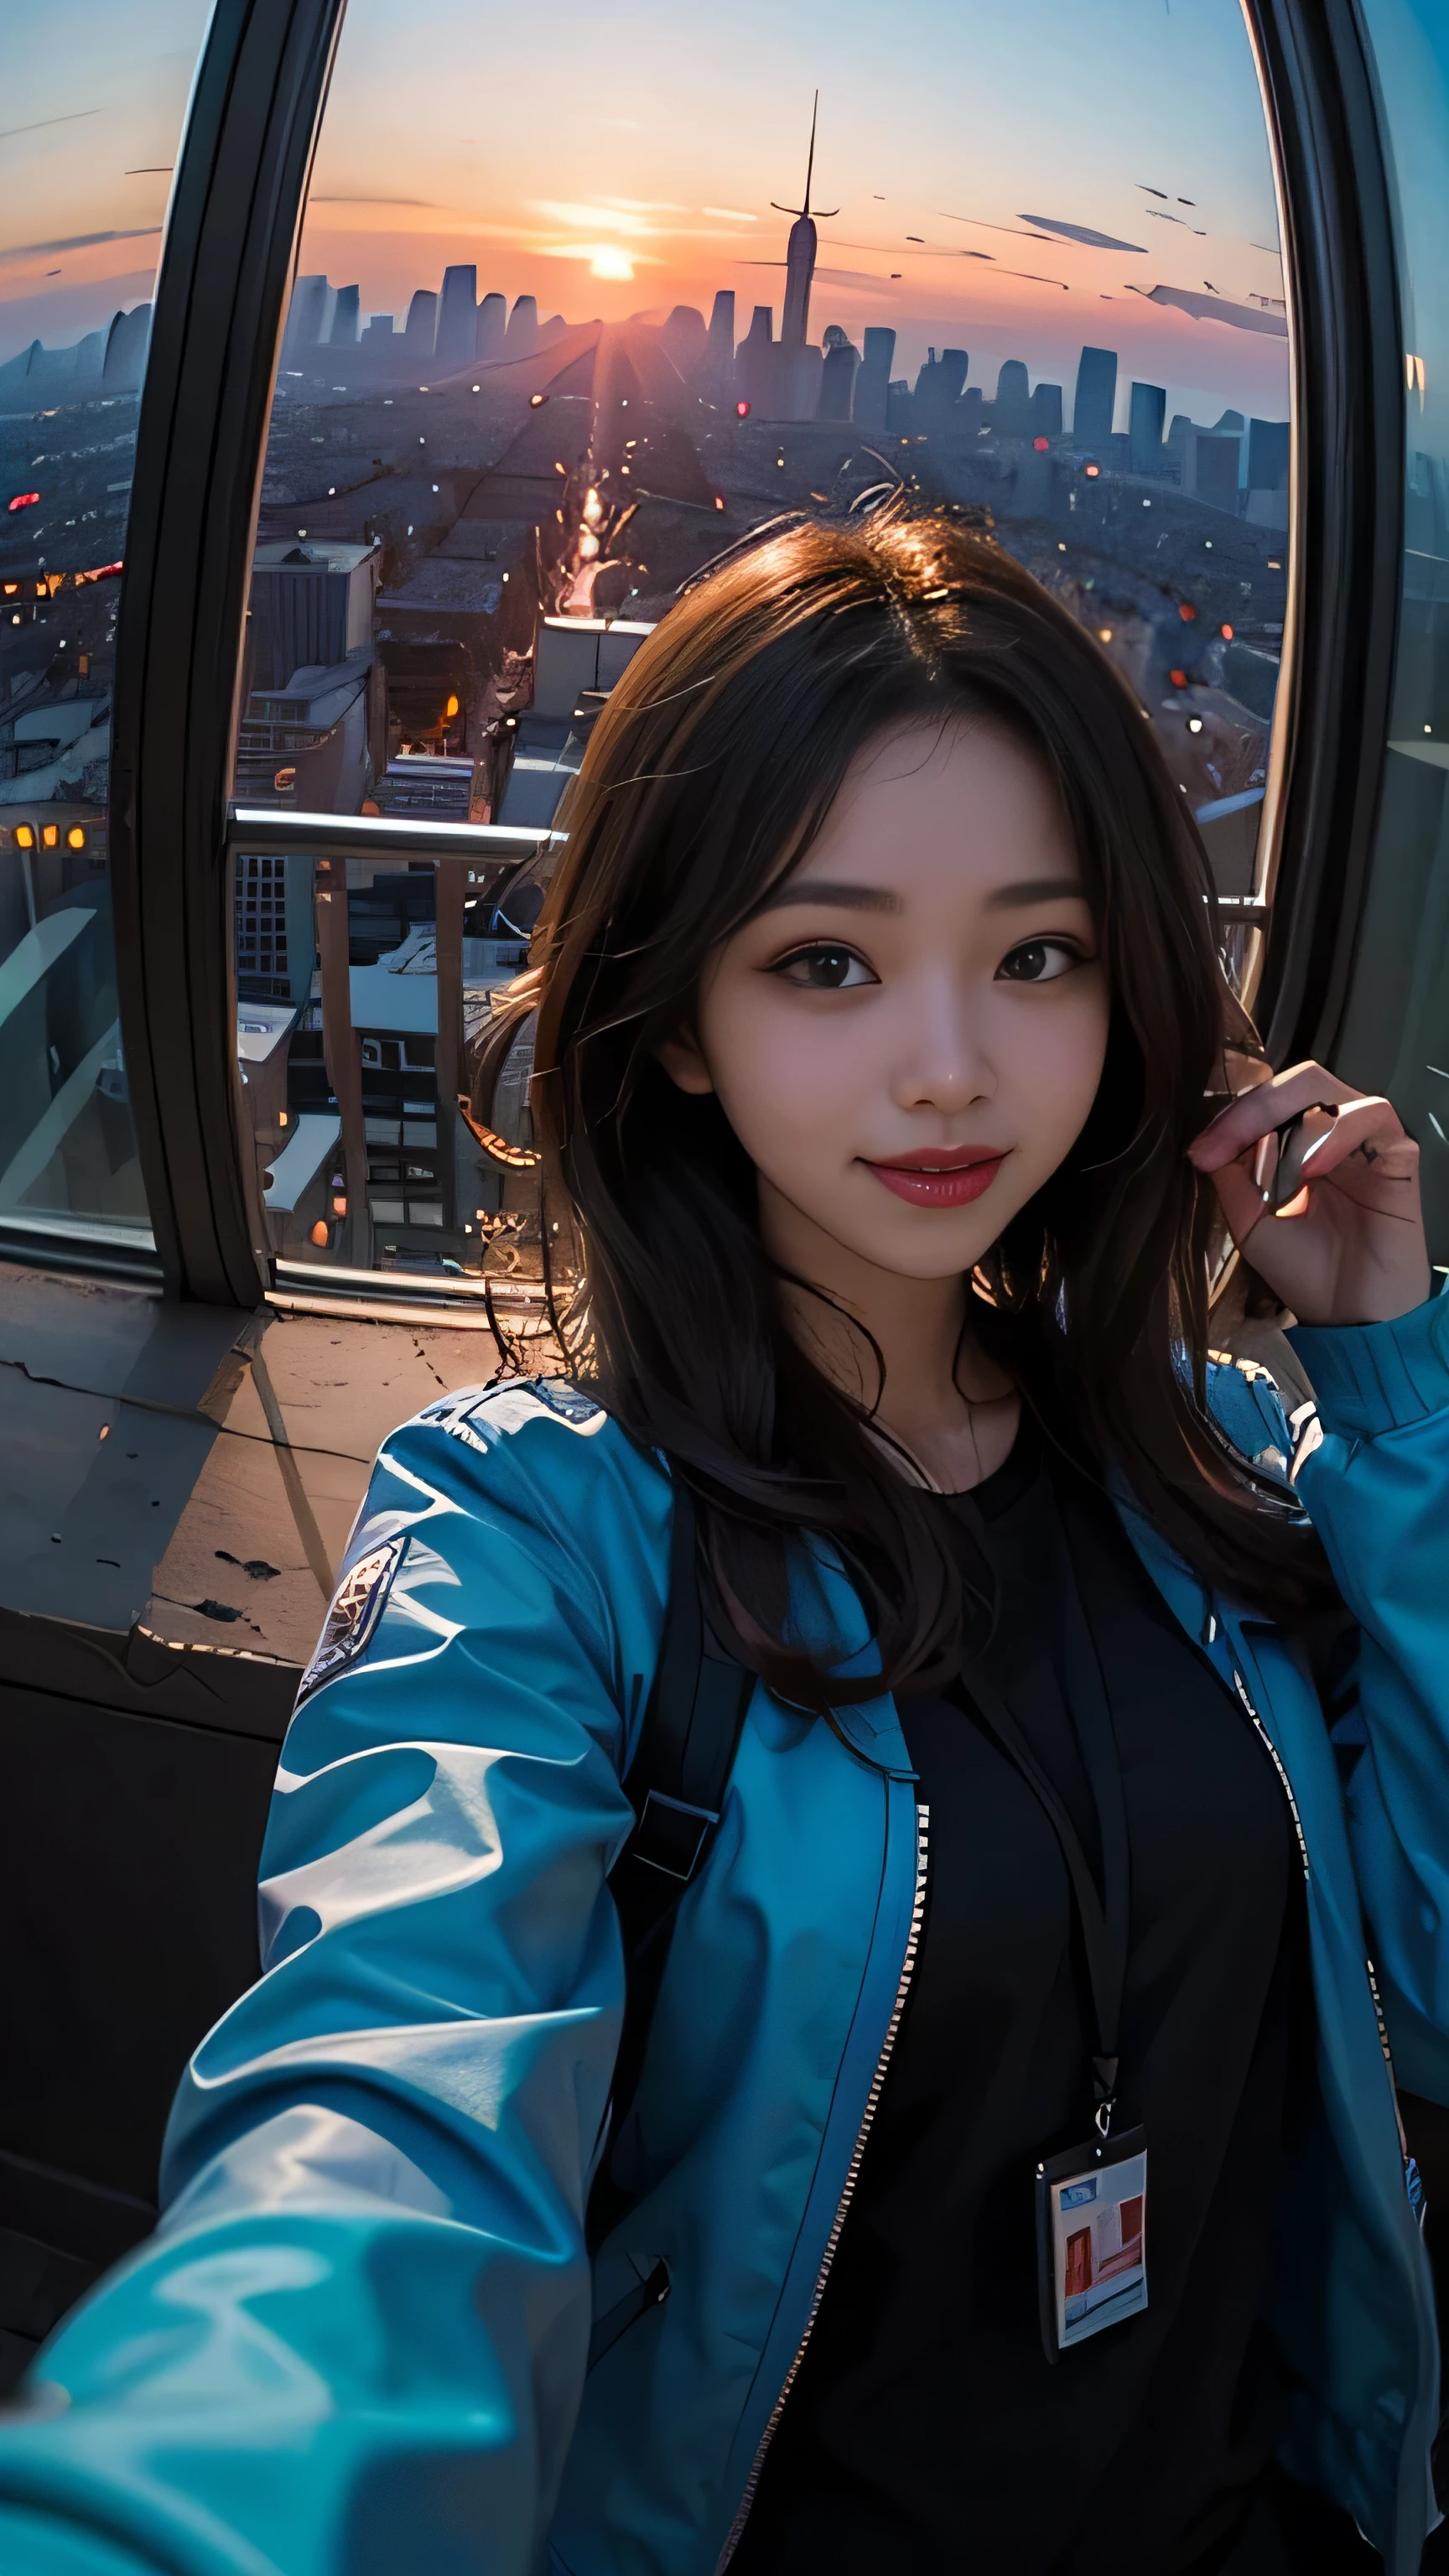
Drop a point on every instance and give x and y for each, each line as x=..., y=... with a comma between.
x=1104, y=1925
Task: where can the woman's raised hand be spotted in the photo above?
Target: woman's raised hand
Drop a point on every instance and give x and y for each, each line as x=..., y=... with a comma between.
x=1348, y=1247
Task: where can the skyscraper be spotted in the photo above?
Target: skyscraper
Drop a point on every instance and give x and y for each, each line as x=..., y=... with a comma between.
x=1013, y=400
x=126, y=344
x=422, y=323
x=492, y=323
x=757, y=361
x=1268, y=455
x=868, y=402
x=722, y=346
x=307, y=317
x=457, y=319
x=346, y=314
x=799, y=272
x=837, y=382
x=685, y=340
x=1148, y=410
x=1096, y=400
x=938, y=389
x=521, y=337
x=1045, y=411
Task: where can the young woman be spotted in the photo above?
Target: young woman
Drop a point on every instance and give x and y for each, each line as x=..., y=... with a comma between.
x=1012, y=2178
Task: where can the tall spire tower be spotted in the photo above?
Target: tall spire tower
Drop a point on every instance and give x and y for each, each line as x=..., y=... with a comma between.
x=800, y=257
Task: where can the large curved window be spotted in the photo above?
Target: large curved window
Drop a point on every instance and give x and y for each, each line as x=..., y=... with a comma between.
x=538, y=369
x=94, y=101
x=1395, y=1036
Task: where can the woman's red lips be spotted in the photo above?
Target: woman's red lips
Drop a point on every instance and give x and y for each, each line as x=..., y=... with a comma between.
x=943, y=1176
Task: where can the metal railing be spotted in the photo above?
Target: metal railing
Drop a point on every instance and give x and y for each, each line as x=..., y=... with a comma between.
x=254, y=829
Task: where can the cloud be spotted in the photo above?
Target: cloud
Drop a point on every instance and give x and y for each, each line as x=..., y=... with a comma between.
x=605, y=259
x=729, y=214
x=982, y=226
x=75, y=117
x=1218, y=308
x=78, y=241
x=604, y=219
x=838, y=276
x=1084, y=233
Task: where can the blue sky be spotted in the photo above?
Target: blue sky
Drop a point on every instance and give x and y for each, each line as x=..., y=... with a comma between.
x=654, y=136
x=91, y=92
x=624, y=161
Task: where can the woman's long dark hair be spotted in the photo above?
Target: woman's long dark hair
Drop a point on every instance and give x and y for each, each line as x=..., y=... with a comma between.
x=710, y=770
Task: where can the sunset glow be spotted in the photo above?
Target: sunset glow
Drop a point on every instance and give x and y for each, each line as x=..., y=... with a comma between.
x=928, y=147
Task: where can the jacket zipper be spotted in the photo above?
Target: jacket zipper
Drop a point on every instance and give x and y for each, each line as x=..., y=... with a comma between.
x=1411, y=2170
x=872, y=2099
x=1271, y=1749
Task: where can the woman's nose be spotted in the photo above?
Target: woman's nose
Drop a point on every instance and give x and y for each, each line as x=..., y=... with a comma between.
x=942, y=1062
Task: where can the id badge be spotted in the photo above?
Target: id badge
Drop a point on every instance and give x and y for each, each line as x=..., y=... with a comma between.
x=1091, y=2210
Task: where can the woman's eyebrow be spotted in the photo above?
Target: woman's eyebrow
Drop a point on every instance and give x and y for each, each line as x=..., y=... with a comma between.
x=1011, y=898
x=849, y=898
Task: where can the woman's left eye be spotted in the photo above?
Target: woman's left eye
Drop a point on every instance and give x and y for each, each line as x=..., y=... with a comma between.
x=1038, y=961
x=825, y=968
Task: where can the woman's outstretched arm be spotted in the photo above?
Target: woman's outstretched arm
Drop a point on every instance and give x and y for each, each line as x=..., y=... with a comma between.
x=1347, y=1254
x=358, y=2340
x=1377, y=1487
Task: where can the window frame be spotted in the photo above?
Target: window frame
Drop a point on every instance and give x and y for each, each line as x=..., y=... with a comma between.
x=249, y=143
x=1346, y=511
x=230, y=250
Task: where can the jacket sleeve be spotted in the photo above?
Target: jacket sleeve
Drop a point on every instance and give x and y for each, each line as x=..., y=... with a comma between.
x=358, y=2340
x=1376, y=1484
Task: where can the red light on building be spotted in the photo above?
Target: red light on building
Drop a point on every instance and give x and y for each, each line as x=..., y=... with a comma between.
x=1091, y=472
x=24, y=501
x=535, y=401
x=1041, y=445
x=1227, y=634
x=1178, y=679
x=1187, y=612
x=742, y=412
x=719, y=500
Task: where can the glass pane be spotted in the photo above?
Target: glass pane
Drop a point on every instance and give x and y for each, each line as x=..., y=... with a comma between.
x=532, y=381
x=365, y=987
x=94, y=100
x=1396, y=1034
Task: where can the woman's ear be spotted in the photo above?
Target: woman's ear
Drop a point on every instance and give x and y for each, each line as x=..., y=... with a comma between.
x=684, y=1063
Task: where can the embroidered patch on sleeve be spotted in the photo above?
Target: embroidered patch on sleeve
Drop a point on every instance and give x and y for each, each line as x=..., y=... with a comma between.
x=357, y=1606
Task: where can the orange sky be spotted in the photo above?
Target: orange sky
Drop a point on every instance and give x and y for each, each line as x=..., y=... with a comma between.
x=627, y=163
x=615, y=163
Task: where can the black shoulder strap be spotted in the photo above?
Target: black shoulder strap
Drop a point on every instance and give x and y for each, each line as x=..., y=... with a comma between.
x=676, y=1784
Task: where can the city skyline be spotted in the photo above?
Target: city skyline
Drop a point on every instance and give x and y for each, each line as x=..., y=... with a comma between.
x=318, y=301
x=640, y=202
x=647, y=204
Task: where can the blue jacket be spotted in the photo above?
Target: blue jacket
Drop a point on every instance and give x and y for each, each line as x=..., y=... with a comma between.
x=358, y=2343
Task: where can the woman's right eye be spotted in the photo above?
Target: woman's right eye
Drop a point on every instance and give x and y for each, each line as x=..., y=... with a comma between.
x=825, y=968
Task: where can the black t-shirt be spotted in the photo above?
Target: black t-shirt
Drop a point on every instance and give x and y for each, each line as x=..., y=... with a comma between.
x=926, y=2430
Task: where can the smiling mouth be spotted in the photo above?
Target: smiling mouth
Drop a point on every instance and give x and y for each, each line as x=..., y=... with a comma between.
x=952, y=1181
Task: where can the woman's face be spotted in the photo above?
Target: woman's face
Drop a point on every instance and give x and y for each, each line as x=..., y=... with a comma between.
x=908, y=1036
